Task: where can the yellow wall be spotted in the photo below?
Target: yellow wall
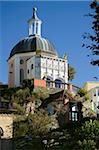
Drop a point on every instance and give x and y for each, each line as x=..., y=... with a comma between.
x=90, y=85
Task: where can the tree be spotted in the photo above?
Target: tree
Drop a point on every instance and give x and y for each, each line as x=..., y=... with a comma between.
x=30, y=131
x=71, y=73
x=88, y=134
x=93, y=37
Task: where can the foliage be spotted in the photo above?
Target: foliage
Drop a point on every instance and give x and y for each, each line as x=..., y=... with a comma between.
x=7, y=93
x=29, y=83
x=86, y=136
x=29, y=143
x=20, y=128
x=21, y=96
x=86, y=144
x=40, y=123
x=82, y=92
x=32, y=130
x=90, y=131
x=75, y=136
x=20, y=109
x=35, y=132
x=71, y=73
x=82, y=95
x=41, y=93
x=93, y=45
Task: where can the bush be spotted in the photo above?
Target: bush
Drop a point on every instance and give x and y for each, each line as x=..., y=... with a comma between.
x=86, y=145
x=82, y=92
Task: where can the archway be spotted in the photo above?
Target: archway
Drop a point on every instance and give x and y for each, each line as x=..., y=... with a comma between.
x=58, y=83
x=49, y=81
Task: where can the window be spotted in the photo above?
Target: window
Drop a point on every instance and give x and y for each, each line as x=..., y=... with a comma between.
x=50, y=109
x=48, y=82
x=28, y=71
x=74, y=116
x=58, y=83
x=98, y=105
x=21, y=76
x=94, y=94
x=95, y=107
x=11, y=65
x=31, y=66
x=73, y=113
x=21, y=61
x=98, y=92
x=36, y=28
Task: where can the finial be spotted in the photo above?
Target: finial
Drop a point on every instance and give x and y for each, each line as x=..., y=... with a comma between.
x=34, y=12
x=65, y=55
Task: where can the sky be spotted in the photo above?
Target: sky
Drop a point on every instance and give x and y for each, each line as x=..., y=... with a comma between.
x=63, y=23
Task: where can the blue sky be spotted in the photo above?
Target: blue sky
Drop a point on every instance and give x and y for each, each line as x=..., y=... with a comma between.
x=63, y=23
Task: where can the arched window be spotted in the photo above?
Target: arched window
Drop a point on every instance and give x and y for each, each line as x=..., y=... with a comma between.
x=58, y=83
x=31, y=66
x=21, y=76
x=21, y=61
x=28, y=71
x=11, y=65
x=36, y=28
x=1, y=132
x=48, y=81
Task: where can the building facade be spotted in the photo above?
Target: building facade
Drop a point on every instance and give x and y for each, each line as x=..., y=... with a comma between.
x=93, y=90
x=36, y=57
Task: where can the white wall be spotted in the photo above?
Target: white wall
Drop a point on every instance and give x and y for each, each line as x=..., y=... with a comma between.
x=36, y=71
x=94, y=96
x=31, y=73
x=56, y=68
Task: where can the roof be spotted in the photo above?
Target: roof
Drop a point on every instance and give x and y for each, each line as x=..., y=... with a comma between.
x=32, y=44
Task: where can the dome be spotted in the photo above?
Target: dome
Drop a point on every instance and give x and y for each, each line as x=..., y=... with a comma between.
x=32, y=44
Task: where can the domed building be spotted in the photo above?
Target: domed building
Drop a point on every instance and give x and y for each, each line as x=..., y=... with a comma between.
x=36, y=57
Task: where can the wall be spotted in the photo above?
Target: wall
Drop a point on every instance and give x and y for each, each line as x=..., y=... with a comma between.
x=11, y=73
x=89, y=85
x=56, y=68
x=14, y=77
x=39, y=83
x=93, y=90
x=6, y=123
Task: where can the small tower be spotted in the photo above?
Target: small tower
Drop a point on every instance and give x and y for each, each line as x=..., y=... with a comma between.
x=34, y=24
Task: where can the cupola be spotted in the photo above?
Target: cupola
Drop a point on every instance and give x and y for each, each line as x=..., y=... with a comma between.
x=34, y=24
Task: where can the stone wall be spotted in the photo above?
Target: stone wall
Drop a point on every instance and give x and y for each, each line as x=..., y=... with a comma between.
x=6, y=123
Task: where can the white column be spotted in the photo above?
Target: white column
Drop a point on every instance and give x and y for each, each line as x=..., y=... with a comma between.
x=34, y=30
x=30, y=29
x=39, y=28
